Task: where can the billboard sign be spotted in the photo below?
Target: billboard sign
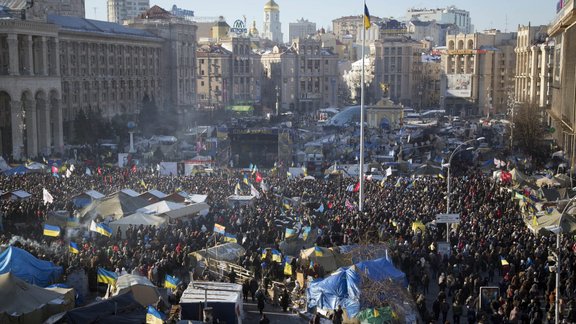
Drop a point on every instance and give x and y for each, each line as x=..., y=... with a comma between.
x=459, y=85
x=239, y=27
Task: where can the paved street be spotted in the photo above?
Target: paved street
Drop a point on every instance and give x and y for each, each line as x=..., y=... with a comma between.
x=275, y=315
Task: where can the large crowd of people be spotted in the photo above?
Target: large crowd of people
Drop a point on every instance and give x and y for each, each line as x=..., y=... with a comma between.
x=492, y=246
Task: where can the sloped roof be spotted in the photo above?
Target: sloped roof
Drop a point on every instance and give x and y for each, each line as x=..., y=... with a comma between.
x=130, y=192
x=156, y=12
x=13, y=4
x=20, y=298
x=160, y=207
x=115, y=206
x=96, y=26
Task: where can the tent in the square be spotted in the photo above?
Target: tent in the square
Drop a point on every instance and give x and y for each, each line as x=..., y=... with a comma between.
x=28, y=268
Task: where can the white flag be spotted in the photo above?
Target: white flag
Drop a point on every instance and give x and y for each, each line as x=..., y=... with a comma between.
x=254, y=192
x=93, y=226
x=389, y=171
x=88, y=171
x=263, y=186
x=68, y=173
x=72, y=168
x=47, y=197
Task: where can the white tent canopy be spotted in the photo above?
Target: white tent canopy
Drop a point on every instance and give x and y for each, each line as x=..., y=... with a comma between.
x=160, y=207
x=136, y=219
x=143, y=289
x=188, y=210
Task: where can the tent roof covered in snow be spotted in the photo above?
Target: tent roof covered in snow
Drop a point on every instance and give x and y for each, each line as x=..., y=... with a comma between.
x=28, y=268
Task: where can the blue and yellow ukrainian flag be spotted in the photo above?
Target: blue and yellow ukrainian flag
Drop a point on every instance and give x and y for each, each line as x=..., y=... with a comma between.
x=276, y=256
x=246, y=180
x=74, y=248
x=171, y=282
x=72, y=222
x=367, y=23
x=219, y=229
x=290, y=232
x=318, y=251
x=306, y=232
x=104, y=229
x=107, y=277
x=288, y=266
x=230, y=238
x=51, y=230
x=153, y=316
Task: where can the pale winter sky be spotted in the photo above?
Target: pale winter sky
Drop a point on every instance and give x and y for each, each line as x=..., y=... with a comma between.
x=501, y=14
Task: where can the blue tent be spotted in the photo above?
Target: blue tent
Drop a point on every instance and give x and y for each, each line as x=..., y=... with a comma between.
x=343, y=287
x=16, y=170
x=28, y=268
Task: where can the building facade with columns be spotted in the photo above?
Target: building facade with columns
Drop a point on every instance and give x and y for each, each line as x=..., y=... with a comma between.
x=562, y=111
x=533, y=69
x=30, y=89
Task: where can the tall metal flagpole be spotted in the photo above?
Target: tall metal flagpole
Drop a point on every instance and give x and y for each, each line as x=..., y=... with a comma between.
x=361, y=159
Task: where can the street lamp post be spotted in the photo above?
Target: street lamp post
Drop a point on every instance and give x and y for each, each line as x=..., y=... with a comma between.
x=558, y=232
x=448, y=184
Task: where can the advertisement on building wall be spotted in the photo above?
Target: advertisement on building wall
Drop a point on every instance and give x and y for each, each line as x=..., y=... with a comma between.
x=459, y=85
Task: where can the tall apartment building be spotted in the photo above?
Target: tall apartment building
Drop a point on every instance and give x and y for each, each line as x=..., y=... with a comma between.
x=562, y=112
x=302, y=77
x=178, y=58
x=302, y=28
x=272, y=28
x=120, y=10
x=245, y=72
x=533, y=69
x=350, y=27
x=397, y=60
x=214, y=64
x=448, y=15
x=478, y=73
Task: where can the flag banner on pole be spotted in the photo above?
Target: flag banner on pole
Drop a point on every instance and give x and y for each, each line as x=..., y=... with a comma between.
x=276, y=256
x=219, y=229
x=290, y=232
x=51, y=230
x=306, y=232
x=72, y=222
x=230, y=238
x=254, y=192
x=171, y=282
x=153, y=316
x=107, y=277
x=101, y=228
x=47, y=197
x=74, y=248
x=367, y=23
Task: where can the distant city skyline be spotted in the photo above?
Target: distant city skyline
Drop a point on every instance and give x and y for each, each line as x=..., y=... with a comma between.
x=502, y=15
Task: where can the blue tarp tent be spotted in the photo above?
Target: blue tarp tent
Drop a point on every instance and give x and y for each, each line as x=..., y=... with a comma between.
x=28, y=268
x=343, y=286
x=16, y=170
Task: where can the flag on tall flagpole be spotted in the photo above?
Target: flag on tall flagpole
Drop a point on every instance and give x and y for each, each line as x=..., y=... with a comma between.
x=367, y=22
x=47, y=197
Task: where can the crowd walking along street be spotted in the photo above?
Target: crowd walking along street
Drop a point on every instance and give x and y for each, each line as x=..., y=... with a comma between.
x=170, y=165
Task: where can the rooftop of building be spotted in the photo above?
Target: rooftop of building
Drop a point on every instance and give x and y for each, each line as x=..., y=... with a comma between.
x=271, y=5
x=96, y=26
x=156, y=12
